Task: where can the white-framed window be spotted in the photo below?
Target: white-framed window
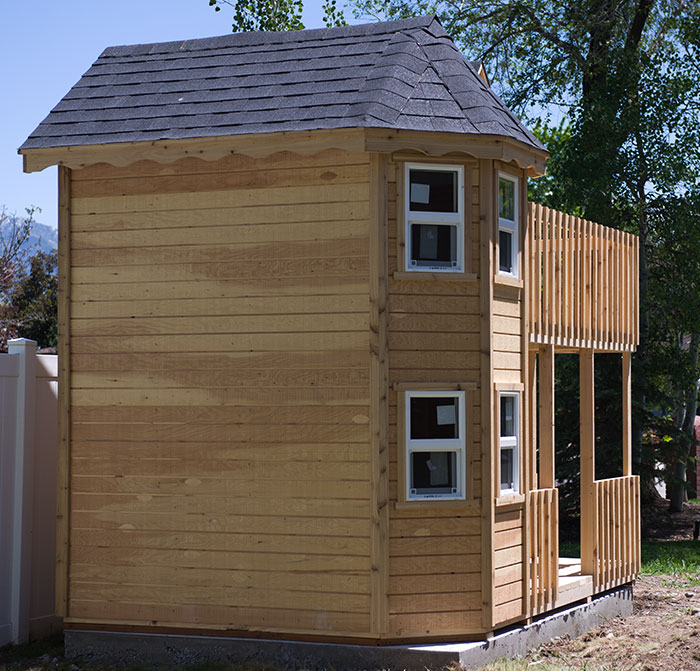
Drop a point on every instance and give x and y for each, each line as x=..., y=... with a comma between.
x=508, y=233
x=509, y=441
x=434, y=207
x=435, y=445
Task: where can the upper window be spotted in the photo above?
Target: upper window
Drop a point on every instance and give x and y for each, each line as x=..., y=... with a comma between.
x=435, y=445
x=508, y=234
x=434, y=218
x=509, y=442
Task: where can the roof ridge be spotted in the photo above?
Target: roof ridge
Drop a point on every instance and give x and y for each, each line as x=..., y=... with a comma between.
x=267, y=37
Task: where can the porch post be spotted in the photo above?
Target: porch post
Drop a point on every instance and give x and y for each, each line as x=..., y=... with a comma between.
x=626, y=413
x=532, y=482
x=547, y=417
x=589, y=513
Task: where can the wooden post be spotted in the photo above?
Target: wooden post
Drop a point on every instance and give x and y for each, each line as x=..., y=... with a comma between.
x=546, y=474
x=532, y=480
x=626, y=413
x=589, y=510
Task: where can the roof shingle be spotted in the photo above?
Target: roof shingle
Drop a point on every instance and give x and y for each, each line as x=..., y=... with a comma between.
x=404, y=74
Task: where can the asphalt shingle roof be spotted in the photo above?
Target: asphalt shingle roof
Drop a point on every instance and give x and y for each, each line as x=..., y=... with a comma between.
x=397, y=74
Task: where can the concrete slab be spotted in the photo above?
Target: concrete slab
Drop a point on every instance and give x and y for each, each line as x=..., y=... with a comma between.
x=165, y=650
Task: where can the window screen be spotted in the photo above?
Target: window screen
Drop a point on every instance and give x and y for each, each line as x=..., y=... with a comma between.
x=434, y=418
x=433, y=191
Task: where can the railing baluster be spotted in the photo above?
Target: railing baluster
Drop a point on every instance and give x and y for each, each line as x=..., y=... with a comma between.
x=581, y=279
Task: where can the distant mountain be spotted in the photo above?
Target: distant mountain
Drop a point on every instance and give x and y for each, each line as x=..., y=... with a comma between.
x=41, y=239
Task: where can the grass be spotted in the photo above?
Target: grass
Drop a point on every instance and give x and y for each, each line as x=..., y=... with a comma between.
x=672, y=558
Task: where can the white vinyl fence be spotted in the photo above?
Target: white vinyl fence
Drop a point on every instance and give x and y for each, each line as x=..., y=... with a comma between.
x=28, y=444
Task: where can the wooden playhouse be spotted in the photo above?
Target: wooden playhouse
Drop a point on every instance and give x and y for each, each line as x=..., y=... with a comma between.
x=303, y=305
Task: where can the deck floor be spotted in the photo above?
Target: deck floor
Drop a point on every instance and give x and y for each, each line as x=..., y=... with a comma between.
x=573, y=585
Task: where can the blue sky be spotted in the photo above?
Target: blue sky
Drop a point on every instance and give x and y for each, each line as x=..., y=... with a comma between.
x=49, y=44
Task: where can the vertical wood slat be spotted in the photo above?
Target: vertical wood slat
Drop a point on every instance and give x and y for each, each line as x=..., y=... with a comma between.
x=617, y=501
x=569, y=282
x=545, y=274
x=581, y=282
x=557, y=226
x=543, y=524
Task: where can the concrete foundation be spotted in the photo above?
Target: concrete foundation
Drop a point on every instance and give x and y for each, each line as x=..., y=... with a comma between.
x=167, y=650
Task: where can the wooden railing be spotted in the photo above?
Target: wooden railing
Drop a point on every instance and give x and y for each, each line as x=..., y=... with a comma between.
x=617, y=538
x=582, y=282
x=543, y=529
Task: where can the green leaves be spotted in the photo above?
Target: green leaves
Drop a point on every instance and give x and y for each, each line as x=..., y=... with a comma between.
x=265, y=15
x=275, y=15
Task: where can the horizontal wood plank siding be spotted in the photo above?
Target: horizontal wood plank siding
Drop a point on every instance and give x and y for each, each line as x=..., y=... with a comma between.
x=220, y=471
x=434, y=337
x=508, y=565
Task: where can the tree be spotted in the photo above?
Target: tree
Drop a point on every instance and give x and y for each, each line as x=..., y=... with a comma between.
x=625, y=76
x=271, y=15
x=14, y=233
x=34, y=298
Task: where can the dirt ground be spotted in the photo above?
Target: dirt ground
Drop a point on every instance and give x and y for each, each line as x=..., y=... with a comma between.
x=663, y=633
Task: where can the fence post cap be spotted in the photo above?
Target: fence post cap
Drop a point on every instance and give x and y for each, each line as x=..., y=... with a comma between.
x=17, y=343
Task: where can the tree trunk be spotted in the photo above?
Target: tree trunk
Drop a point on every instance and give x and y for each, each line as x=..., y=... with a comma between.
x=639, y=365
x=677, y=486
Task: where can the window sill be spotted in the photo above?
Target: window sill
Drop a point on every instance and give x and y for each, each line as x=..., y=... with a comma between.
x=434, y=276
x=451, y=504
x=507, y=281
x=510, y=500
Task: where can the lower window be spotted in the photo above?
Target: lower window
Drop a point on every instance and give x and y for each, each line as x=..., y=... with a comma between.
x=509, y=442
x=435, y=445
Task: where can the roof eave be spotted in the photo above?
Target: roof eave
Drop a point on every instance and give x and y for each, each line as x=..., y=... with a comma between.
x=258, y=145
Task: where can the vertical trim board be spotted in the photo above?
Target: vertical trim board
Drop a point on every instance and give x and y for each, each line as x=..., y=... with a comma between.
x=63, y=460
x=487, y=198
x=379, y=396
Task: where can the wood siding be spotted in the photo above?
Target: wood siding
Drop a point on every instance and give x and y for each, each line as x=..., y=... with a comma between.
x=508, y=565
x=434, y=339
x=220, y=394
